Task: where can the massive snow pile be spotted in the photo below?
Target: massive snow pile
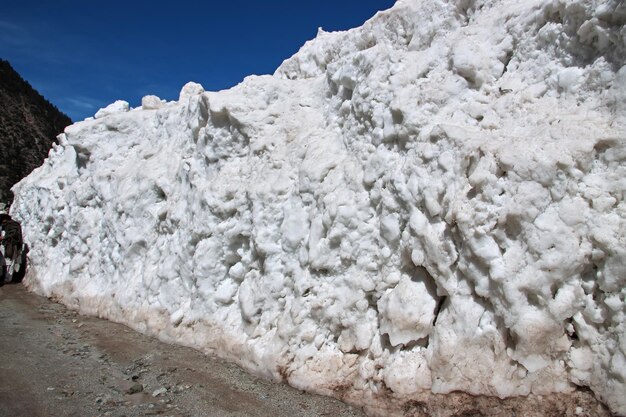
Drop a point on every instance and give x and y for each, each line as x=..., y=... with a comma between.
x=433, y=202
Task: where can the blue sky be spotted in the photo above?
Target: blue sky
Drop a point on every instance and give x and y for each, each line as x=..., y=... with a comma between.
x=83, y=55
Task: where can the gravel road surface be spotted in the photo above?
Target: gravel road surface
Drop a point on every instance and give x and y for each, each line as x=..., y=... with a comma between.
x=54, y=362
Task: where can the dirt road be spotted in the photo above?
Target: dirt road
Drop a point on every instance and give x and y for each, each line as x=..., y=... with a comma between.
x=54, y=362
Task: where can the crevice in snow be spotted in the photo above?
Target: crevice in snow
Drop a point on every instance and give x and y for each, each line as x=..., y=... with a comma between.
x=438, y=309
x=82, y=156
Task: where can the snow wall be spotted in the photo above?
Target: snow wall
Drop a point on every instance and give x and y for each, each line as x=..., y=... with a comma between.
x=432, y=202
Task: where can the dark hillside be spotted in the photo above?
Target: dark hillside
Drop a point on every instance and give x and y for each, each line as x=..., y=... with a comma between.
x=28, y=126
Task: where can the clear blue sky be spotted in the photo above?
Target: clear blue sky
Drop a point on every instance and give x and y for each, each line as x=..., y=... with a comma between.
x=83, y=55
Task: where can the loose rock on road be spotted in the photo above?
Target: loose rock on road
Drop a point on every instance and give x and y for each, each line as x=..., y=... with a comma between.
x=54, y=362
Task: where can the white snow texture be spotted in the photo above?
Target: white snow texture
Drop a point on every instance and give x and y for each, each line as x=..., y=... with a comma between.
x=432, y=202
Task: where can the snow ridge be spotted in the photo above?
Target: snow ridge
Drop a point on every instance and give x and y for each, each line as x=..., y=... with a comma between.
x=432, y=202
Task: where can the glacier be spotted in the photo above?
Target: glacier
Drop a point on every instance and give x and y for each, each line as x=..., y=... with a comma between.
x=430, y=203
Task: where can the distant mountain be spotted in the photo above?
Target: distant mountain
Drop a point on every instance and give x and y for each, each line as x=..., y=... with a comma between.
x=28, y=126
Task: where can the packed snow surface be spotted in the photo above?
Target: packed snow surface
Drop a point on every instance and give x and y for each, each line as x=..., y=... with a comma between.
x=432, y=202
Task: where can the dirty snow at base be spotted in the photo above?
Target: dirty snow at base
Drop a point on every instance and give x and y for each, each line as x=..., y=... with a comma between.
x=432, y=202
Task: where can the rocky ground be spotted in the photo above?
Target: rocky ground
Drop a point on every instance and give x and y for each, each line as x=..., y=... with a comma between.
x=54, y=362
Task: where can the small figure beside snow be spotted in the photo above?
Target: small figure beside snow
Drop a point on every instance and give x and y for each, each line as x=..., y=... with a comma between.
x=12, y=250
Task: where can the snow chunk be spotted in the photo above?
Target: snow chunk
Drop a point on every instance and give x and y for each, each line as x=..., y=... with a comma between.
x=151, y=103
x=119, y=106
x=189, y=90
x=407, y=312
x=570, y=78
